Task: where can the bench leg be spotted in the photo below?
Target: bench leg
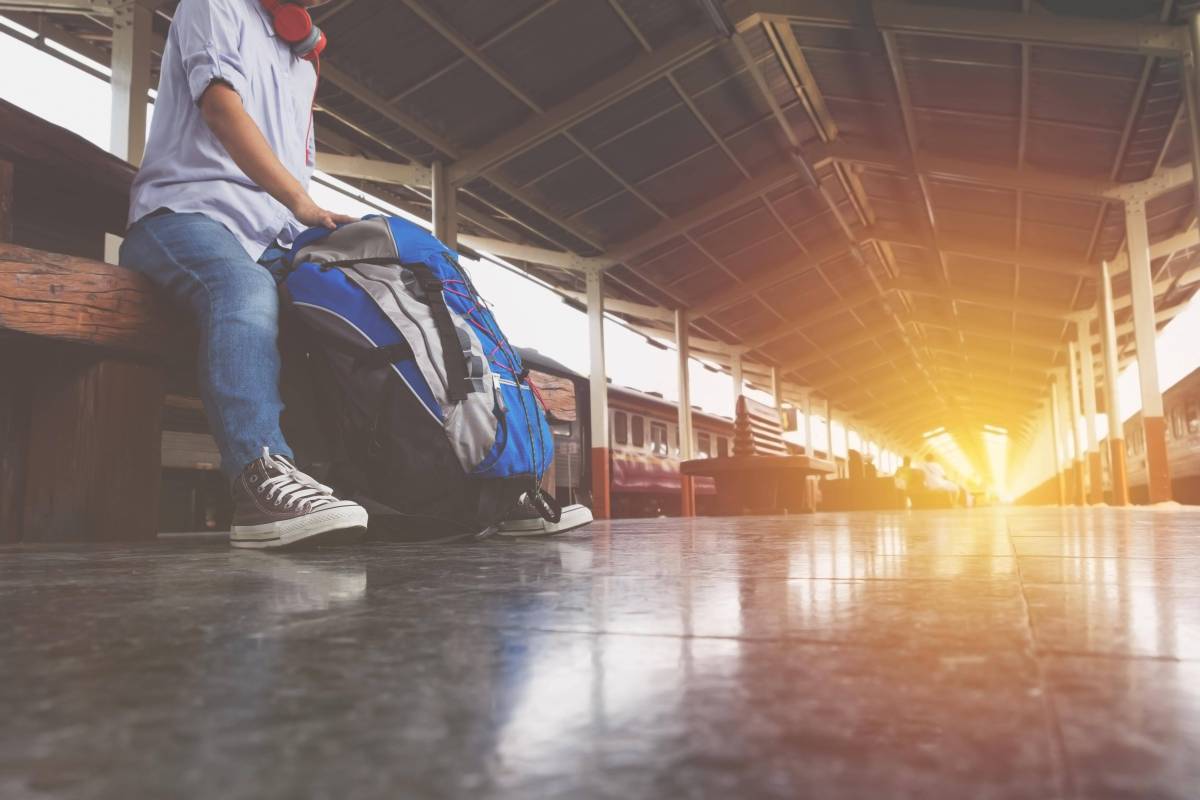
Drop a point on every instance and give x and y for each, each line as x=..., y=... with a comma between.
x=14, y=434
x=93, y=457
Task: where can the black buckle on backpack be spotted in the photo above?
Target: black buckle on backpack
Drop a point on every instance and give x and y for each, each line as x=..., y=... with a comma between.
x=429, y=283
x=546, y=505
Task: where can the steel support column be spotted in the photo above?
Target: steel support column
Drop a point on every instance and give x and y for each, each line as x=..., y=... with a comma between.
x=735, y=372
x=1056, y=444
x=809, y=448
x=598, y=396
x=445, y=206
x=777, y=392
x=1112, y=398
x=1145, y=332
x=131, y=40
x=1095, y=471
x=687, y=495
x=1191, y=85
x=1078, y=490
x=829, y=431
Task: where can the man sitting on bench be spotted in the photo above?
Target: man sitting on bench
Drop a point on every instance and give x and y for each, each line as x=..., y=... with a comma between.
x=935, y=479
x=221, y=191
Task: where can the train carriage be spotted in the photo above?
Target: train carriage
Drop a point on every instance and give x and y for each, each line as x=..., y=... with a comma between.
x=643, y=443
x=1181, y=409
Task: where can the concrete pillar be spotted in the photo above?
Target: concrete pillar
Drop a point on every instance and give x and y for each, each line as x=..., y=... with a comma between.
x=1095, y=471
x=1112, y=398
x=1056, y=443
x=445, y=206
x=687, y=437
x=1145, y=332
x=1079, y=496
x=132, y=32
x=598, y=395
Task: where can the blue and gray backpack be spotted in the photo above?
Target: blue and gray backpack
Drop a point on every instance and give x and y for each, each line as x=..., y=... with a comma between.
x=424, y=406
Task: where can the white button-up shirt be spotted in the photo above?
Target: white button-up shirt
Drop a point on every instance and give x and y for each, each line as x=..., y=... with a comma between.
x=185, y=167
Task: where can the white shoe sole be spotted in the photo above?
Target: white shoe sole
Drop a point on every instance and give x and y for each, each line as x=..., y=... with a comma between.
x=324, y=526
x=575, y=516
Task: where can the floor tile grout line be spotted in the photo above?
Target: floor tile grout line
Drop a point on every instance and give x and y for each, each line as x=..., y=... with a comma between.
x=1103, y=656
x=1062, y=759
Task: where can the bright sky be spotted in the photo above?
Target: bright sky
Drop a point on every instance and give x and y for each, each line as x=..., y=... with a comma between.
x=530, y=314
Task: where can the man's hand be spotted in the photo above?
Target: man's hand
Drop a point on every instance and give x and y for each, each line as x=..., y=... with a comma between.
x=311, y=214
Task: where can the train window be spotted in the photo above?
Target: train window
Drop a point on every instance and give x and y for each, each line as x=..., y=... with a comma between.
x=658, y=438
x=638, y=426
x=1178, y=426
x=620, y=427
x=1193, y=416
x=722, y=446
x=704, y=445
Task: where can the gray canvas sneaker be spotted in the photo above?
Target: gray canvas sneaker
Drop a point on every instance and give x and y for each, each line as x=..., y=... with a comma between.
x=277, y=505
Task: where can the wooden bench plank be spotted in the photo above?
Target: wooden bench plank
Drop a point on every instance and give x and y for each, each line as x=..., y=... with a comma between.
x=65, y=298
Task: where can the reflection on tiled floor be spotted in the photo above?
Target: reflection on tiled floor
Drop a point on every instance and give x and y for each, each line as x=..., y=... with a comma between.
x=987, y=653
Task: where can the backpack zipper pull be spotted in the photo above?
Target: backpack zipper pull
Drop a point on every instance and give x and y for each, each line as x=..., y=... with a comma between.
x=500, y=407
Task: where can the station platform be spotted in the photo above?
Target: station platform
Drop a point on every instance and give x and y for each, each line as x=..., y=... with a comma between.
x=974, y=653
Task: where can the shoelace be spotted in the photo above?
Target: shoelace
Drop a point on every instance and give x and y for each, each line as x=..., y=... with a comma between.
x=299, y=490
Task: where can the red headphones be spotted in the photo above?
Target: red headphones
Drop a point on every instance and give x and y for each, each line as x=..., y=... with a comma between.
x=294, y=25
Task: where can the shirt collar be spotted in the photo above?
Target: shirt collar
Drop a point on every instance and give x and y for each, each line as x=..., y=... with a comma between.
x=265, y=16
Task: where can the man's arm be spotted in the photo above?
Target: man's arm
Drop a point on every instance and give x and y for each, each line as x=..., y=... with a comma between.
x=222, y=109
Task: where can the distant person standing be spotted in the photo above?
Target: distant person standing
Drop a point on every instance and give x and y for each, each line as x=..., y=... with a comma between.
x=221, y=191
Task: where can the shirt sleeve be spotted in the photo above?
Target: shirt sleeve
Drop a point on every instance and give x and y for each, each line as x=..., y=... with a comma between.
x=209, y=33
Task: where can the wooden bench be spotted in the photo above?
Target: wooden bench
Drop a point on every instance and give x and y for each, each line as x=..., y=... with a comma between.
x=861, y=494
x=761, y=477
x=81, y=354
x=82, y=346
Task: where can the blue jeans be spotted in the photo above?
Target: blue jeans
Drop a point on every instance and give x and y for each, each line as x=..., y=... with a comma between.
x=235, y=304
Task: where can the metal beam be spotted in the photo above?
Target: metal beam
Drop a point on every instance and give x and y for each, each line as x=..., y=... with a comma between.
x=379, y=104
x=444, y=206
x=1145, y=331
x=132, y=34
x=640, y=310
x=598, y=397
x=726, y=298
x=643, y=70
x=1060, y=30
x=846, y=305
x=679, y=225
x=958, y=295
x=1053, y=345
x=369, y=169
x=98, y=7
x=993, y=175
x=1112, y=396
x=1000, y=360
x=841, y=347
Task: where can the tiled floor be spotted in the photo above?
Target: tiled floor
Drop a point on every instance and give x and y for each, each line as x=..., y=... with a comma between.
x=1025, y=653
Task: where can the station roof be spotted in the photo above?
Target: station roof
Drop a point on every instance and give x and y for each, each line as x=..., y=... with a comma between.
x=899, y=204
